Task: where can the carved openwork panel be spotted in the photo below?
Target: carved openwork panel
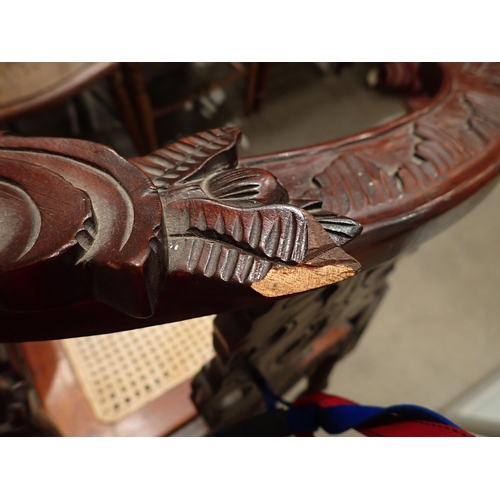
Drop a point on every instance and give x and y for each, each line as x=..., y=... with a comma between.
x=300, y=336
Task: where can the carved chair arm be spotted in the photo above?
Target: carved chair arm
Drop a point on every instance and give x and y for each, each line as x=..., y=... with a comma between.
x=82, y=227
x=91, y=243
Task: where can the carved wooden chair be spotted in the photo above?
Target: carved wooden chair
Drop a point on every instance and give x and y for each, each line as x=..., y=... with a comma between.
x=147, y=114
x=91, y=244
x=28, y=88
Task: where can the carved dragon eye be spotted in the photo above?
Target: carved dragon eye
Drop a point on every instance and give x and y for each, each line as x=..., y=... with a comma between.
x=247, y=184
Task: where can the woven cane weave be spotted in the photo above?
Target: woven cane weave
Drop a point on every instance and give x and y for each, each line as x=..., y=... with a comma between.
x=121, y=372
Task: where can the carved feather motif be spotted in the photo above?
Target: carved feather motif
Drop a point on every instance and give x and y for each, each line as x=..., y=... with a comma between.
x=191, y=158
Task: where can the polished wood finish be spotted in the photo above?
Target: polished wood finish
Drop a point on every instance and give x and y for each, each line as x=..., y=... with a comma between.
x=184, y=215
x=404, y=182
x=212, y=234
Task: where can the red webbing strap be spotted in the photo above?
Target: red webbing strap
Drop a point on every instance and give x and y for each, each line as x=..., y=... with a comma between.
x=397, y=428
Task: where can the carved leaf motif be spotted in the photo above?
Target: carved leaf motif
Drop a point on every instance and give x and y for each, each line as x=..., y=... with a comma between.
x=353, y=182
x=191, y=158
x=409, y=158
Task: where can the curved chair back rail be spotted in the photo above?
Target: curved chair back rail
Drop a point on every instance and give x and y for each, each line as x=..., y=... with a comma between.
x=407, y=180
x=404, y=182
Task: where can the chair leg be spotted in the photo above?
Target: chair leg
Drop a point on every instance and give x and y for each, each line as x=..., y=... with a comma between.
x=252, y=81
x=126, y=109
x=261, y=89
x=137, y=89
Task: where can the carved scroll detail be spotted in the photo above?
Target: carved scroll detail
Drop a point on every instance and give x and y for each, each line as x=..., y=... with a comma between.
x=80, y=215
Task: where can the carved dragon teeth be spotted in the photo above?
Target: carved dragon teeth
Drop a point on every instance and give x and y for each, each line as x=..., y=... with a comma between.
x=276, y=232
x=236, y=230
x=213, y=259
x=229, y=263
x=252, y=230
x=270, y=238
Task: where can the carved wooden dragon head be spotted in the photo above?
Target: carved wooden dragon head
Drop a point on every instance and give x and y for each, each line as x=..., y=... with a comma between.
x=238, y=224
x=80, y=223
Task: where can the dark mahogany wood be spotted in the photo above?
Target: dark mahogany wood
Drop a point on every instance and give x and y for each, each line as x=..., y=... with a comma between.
x=189, y=230
x=404, y=182
x=83, y=226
